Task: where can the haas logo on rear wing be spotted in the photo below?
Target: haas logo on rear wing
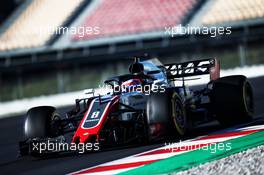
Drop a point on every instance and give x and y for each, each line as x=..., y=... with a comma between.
x=194, y=68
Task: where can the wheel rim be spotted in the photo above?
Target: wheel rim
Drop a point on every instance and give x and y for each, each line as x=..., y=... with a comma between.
x=54, y=129
x=179, y=116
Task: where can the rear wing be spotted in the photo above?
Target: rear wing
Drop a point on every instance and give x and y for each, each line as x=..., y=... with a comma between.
x=193, y=68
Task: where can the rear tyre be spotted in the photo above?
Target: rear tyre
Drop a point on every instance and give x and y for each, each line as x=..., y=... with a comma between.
x=165, y=115
x=41, y=122
x=232, y=100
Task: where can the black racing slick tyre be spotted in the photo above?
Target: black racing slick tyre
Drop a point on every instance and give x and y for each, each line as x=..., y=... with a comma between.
x=40, y=122
x=232, y=100
x=167, y=110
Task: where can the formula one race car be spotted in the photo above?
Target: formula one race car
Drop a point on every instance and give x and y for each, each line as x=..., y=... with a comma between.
x=143, y=106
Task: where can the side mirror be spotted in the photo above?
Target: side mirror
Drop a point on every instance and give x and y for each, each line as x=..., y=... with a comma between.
x=89, y=91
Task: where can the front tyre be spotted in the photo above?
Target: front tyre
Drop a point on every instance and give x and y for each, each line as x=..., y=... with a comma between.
x=41, y=122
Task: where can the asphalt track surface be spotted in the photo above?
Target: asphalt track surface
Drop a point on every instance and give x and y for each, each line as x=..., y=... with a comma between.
x=12, y=131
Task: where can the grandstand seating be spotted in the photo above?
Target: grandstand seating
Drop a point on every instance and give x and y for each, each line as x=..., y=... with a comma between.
x=222, y=11
x=32, y=27
x=119, y=17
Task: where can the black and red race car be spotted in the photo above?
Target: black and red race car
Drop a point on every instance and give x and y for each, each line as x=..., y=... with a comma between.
x=143, y=106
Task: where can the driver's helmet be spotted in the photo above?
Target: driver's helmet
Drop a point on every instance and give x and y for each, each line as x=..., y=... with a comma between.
x=136, y=67
x=130, y=85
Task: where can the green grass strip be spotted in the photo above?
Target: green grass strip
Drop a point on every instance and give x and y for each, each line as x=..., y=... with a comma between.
x=194, y=158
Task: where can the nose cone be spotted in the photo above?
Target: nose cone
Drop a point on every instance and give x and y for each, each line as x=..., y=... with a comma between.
x=81, y=138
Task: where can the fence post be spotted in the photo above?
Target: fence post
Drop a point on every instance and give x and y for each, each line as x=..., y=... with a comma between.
x=242, y=55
